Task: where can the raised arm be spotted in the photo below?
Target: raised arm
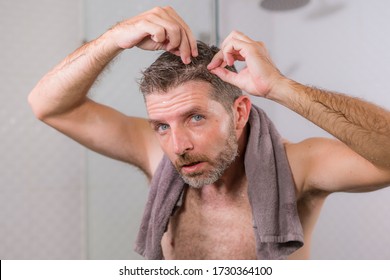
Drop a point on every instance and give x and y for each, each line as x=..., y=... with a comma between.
x=60, y=97
x=364, y=128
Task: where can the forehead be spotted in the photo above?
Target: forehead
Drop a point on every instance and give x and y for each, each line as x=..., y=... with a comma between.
x=181, y=98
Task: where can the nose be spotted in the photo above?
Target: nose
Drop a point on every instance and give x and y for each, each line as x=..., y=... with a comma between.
x=181, y=141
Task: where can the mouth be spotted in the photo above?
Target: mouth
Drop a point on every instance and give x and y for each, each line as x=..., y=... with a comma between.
x=191, y=164
x=192, y=167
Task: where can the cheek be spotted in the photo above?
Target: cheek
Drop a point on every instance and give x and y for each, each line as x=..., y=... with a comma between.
x=221, y=130
x=213, y=138
x=165, y=144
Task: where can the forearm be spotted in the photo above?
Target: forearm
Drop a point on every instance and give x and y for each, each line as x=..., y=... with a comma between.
x=363, y=126
x=66, y=86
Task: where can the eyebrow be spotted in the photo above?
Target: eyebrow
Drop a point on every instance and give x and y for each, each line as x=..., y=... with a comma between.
x=155, y=123
x=192, y=111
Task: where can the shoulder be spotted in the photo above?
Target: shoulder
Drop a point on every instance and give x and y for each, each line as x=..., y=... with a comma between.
x=322, y=166
x=311, y=147
x=307, y=158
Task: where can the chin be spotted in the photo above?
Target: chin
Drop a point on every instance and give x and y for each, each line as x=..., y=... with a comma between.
x=198, y=183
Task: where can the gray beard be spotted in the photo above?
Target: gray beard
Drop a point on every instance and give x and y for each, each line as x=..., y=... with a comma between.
x=225, y=158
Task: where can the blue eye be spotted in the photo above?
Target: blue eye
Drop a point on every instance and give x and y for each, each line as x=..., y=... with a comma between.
x=197, y=118
x=162, y=127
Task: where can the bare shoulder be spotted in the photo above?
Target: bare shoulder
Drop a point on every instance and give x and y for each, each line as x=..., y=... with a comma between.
x=303, y=155
x=326, y=165
x=300, y=156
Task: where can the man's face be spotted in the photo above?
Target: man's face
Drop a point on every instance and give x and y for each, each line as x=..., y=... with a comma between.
x=195, y=132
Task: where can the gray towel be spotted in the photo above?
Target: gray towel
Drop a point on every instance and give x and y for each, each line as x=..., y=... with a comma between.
x=271, y=191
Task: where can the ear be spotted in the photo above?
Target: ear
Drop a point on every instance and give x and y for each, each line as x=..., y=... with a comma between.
x=241, y=109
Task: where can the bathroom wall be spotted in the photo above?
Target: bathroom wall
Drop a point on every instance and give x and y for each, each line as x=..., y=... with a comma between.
x=42, y=173
x=58, y=200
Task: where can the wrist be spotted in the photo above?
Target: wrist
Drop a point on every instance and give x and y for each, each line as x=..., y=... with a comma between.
x=282, y=90
x=110, y=42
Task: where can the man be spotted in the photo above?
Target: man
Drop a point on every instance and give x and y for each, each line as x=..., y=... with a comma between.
x=206, y=136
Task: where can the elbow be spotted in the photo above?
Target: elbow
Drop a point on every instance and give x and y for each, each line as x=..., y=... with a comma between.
x=36, y=106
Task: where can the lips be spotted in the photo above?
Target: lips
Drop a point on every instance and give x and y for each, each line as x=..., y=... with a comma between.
x=191, y=164
x=192, y=167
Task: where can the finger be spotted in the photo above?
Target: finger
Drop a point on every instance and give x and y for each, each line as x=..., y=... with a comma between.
x=185, y=49
x=217, y=61
x=236, y=35
x=229, y=46
x=190, y=37
x=178, y=41
x=232, y=51
x=155, y=31
x=171, y=28
x=225, y=75
x=235, y=49
x=241, y=36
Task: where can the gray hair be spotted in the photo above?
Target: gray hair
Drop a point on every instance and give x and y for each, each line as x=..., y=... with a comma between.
x=168, y=71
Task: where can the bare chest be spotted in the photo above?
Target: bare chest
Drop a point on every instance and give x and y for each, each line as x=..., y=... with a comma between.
x=221, y=230
x=225, y=230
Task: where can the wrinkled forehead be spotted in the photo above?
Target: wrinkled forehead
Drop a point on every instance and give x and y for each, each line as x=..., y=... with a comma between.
x=194, y=93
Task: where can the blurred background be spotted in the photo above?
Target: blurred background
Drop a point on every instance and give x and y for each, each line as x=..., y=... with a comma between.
x=61, y=201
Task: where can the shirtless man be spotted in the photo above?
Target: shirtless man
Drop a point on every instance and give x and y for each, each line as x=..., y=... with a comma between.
x=358, y=161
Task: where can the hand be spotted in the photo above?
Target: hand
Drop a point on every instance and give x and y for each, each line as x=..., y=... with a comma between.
x=157, y=29
x=260, y=74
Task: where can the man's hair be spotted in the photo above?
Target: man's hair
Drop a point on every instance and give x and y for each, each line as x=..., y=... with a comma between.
x=168, y=71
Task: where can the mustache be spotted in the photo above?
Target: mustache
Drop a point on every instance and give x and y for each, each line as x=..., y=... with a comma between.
x=188, y=159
